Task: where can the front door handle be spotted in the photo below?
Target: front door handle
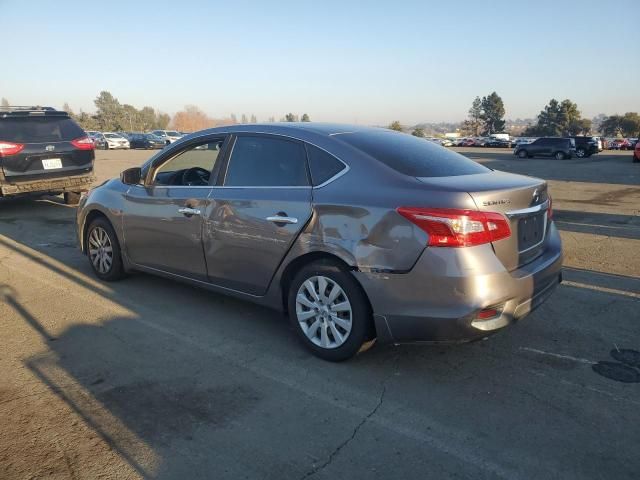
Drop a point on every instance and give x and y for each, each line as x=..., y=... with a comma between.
x=187, y=211
x=280, y=219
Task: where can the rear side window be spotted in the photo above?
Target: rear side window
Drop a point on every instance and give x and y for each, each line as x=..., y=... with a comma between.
x=39, y=129
x=412, y=155
x=258, y=161
x=323, y=165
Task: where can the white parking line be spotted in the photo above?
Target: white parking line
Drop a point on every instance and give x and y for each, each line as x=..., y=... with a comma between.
x=558, y=355
x=626, y=293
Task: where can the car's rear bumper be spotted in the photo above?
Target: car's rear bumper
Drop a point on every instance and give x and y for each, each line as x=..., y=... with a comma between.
x=438, y=300
x=71, y=183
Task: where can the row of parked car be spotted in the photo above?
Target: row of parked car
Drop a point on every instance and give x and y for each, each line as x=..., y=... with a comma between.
x=580, y=146
x=126, y=140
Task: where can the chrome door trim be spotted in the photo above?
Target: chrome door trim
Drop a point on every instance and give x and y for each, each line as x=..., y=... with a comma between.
x=281, y=219
x=189, y=211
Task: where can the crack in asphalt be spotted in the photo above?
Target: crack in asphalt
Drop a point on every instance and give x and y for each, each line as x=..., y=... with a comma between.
x=336, y=451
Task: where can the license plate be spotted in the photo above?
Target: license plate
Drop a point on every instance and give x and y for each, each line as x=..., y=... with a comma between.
x=531, y=231
x=51, y=163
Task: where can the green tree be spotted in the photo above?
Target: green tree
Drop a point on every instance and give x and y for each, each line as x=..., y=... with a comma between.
x=305, y=118
x=559, y=118
x=627, y=125
x=418, y=132
x=109, y=112
x=289, y=117
x=395, y=125
x=162, y=120
x=4, y=102
x=492, y=114
x=631, y=124
x=475, y=123
x=86, y=121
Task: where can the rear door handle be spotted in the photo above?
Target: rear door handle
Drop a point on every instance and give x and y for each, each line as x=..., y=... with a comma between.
x=187, y=211
x=279, y=219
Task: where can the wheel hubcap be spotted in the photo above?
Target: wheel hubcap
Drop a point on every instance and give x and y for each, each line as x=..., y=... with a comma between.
x=324, y=312
x=100, y=250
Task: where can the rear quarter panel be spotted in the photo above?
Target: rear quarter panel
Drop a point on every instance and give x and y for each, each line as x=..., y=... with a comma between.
x=355, y=217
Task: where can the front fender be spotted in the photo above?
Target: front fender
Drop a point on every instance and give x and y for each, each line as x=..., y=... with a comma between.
x=106, y=200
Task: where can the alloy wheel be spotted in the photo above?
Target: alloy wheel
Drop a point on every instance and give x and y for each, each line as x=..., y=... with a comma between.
x=100, y=250
x=324, y=312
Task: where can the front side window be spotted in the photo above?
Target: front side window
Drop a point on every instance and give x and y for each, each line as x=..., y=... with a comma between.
x=191, y=167
x=258, y=161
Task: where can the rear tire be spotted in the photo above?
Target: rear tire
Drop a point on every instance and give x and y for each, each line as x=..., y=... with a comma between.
x=559, y=156
x=71, y=198
x=580, y=153
x=335, y=325
x=103, y=250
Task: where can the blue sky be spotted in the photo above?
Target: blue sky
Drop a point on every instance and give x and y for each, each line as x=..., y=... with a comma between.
x=345, y=61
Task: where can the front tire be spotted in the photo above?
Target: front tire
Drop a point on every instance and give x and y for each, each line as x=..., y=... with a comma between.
x=522, y=154
x=580, y=153
x=329, y=311
x=103, y=250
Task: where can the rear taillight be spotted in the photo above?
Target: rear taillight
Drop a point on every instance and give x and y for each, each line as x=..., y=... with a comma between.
x=457, y=228
x=83, y=143
x=550, y=209
x=10, y=148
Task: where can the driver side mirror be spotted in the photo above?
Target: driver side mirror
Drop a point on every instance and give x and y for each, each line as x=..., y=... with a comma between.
x=131, y=176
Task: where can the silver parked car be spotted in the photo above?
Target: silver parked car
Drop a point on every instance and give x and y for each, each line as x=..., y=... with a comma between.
x=357, y=233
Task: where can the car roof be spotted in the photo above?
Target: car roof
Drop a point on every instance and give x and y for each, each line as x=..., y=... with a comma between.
x=13, y=111
x=294, y=129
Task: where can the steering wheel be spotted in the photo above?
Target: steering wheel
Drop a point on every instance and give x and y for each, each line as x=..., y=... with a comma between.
x=195, y=176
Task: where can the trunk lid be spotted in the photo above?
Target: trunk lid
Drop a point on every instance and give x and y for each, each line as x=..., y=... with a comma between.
x=523, y=200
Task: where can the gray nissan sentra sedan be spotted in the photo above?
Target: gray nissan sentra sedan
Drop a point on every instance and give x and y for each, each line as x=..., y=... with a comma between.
x=357, y=233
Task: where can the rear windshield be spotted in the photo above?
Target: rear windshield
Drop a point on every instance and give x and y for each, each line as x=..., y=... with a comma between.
x=39, y=129
x=412, y=155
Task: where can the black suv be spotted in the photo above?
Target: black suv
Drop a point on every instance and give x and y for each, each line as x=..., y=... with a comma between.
x=585, y=146
x=558, y=148
x=43, y=150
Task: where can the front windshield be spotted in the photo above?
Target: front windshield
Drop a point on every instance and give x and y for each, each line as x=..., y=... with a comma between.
x=112, y=135
x=173, y=134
